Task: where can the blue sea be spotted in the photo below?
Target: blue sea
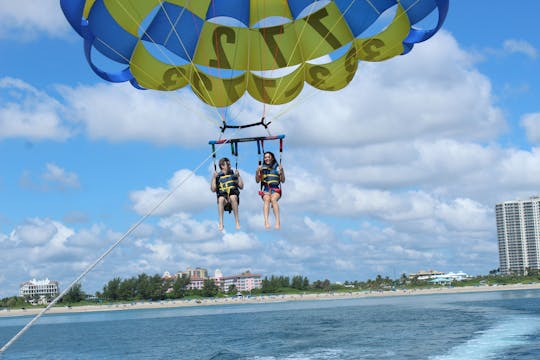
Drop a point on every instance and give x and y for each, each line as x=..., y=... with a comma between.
x=471, y=326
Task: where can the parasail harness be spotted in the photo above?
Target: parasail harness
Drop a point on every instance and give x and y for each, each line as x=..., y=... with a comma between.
x=270, y=178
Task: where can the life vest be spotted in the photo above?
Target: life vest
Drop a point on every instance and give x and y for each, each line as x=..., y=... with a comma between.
x=270, y=176
x=226, y=183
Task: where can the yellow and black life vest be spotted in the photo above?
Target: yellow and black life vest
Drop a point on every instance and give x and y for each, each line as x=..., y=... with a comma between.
x=226, y=183
x=270, y=176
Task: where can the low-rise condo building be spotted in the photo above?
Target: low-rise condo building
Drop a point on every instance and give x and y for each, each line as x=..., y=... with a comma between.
x=245, y=281
x=242, y=282
x=39, y=288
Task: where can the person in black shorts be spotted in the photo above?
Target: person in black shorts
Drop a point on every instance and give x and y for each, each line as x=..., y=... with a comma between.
x=227, y=185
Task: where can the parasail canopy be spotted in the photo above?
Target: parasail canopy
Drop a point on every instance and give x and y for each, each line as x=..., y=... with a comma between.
x=223, y=48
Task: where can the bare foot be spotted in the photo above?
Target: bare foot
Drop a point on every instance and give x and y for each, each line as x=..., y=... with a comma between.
x=278, y=226
x=220, y=227
x=266, y=225
x=237, y=226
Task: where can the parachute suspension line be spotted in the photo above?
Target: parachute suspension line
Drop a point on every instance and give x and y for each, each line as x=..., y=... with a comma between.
x=234, y=149
x=134, y=9
x=261, y=161
x=214, y=156
x=259, y=152
x=109, y=250
x=280, y=150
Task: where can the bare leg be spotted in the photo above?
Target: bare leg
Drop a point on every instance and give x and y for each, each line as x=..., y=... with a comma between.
x=275, y=206
x=266, y=210
x=234, y=204
x=221, y=206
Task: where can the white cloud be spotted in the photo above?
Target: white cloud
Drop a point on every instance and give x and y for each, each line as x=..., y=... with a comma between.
x=465, y=215
x=187, y=192
x=520, y=169
x=230, y=242
x=521, y=47
x=53, y=178
x=26, y=112
x=58, y=175
x=26, y=19
x=119, y=112
x=186, y=229
x=320, y=231
x=531, y=123
x=34, y=232
x=434, y=91
x=160, y=251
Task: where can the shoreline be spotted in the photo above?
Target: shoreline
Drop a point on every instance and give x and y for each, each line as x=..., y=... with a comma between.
x=264, y=299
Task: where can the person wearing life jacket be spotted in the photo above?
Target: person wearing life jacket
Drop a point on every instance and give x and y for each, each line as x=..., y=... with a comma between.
x=227, y=184
x=270, y=175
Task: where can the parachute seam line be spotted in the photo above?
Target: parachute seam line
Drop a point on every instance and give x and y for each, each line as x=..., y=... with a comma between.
x=332, y=28
x=162, y=52
x=196, y=70
x=296, y=45
x=167, y=56
x=315, y=49
x=109, y=250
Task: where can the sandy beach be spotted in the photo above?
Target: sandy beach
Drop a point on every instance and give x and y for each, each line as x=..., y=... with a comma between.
x=264, y=299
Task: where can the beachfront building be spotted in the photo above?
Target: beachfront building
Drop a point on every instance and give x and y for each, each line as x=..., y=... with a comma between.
x=39, y=290
x=195, y=283
x=439, y=277
x=447, y=278
x=425, y=274
x=245, y=281
x=201, y=273
x=518, y=235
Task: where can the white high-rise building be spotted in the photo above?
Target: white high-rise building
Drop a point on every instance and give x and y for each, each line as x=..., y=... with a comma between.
x=518, y=233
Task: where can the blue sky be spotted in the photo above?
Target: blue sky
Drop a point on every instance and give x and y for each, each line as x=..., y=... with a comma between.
x=398, y=172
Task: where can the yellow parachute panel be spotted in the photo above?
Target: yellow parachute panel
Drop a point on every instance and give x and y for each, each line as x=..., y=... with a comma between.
x=388, y=43
x=154, y=74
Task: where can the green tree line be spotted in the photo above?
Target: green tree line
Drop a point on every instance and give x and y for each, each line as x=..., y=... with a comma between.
x=155, y=288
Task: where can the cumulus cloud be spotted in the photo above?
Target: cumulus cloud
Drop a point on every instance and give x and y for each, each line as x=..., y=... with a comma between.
x=60, y=176
x=531, y=123
x=521, y=47
x=230, y=242
x=53, y=178
x=22, y=19
x=186, y=192
x=26, y=112
x=433, y=91
x=183, y=227
x=36, y=232
x=118, y=112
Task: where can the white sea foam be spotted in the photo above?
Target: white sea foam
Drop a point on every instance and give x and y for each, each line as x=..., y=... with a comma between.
x=496, y=340
x=314, y=354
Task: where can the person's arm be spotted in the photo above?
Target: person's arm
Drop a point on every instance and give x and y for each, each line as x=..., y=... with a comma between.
x=239, y=182
x=213, y=182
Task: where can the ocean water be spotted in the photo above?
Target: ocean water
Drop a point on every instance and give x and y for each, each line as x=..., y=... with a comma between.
x=471, y=326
